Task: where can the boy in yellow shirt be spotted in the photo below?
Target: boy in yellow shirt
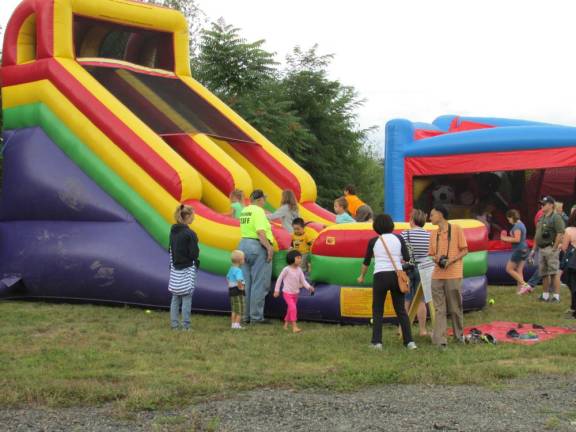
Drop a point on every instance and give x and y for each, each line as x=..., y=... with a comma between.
x=302, y=240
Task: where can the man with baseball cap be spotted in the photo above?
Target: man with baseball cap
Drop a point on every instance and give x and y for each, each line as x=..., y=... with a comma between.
x=256, y=243
x=547, y=240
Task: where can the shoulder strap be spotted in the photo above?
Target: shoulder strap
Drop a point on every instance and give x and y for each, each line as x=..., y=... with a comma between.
x=388, y=253
x=449, y=238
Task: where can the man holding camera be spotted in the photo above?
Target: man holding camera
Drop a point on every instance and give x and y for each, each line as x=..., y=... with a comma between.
x=547, y=240
x=447, y=248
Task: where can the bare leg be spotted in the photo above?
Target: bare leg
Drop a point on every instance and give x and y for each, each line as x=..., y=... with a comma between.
x=421, y=314
x=556, y=283
x=295, y=327
x=546, y=284
x=513, y=270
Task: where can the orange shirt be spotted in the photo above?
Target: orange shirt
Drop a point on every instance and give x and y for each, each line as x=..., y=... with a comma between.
x=457, y=243
x=353, y=203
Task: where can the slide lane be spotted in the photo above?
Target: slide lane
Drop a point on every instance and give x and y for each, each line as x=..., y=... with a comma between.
x=270, y=168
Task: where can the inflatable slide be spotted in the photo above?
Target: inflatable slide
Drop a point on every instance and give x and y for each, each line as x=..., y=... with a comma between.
x=106, y=132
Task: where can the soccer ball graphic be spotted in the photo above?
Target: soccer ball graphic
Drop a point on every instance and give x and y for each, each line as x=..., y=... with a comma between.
x=443, y=195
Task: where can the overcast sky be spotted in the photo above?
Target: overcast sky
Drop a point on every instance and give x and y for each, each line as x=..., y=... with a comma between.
x=421, y=59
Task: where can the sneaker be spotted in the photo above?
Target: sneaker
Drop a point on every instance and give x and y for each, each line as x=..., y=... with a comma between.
x=525, y=289
x=542, y=299
x=377, y=346
x=411, y=346
x=554, y=300
x=238, y=328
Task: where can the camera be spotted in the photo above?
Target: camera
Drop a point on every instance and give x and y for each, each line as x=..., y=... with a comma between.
x=443, y=262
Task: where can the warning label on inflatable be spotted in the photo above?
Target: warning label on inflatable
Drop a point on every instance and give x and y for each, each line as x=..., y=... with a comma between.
x=356, y=302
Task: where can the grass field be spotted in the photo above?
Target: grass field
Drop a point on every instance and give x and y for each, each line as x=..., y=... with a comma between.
x=63, y=355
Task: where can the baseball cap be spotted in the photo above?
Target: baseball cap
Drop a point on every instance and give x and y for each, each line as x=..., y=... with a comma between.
x=547, y=200
x=257, y=194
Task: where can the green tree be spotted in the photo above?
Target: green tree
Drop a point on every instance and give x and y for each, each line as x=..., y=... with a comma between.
x=328, y=110
x=229, y=65
x=299, y=109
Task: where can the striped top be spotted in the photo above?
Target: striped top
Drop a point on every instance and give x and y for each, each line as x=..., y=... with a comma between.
x=181, y=282
x=419, y=240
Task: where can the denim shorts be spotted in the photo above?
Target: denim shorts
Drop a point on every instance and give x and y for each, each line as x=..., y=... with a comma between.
x=519, y=255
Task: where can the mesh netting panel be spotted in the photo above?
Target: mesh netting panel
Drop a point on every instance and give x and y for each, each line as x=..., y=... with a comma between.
x=166, y=105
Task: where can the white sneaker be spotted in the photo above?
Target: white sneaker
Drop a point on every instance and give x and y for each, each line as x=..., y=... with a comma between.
x=411, y=346
x=377, y=346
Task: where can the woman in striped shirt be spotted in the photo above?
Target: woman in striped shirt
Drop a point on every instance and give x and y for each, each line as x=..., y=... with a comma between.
x=418, y=242
x=184, y=254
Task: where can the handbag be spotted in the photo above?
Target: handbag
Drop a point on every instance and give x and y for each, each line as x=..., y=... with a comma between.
x=403, y=281
x=568, y=259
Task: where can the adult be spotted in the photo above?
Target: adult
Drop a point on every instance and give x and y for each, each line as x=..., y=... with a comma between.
x=388, y=250
x=517, y=237
x=364, y=213
x=288, y=210
x=353, y=201
x=535, y=279
x=569, y=246
x=418, y=241
x=447, y=248
x=256, y=243
x=559, y=208
x=547, y=242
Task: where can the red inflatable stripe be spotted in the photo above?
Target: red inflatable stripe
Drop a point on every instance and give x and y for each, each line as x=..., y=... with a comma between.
x=203, y=161
x=352, y=243
x=262, y=160
x=316, y=209
x=101, y=116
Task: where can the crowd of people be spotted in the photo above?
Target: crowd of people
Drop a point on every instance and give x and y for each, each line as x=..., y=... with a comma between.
x=249, y=277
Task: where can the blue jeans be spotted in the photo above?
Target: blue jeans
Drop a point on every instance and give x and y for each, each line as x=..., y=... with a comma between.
x=257, y=278
x=184, y=302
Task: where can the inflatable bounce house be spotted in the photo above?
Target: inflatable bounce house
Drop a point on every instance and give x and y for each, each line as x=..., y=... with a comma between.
x=479, y=168
x=107, y=132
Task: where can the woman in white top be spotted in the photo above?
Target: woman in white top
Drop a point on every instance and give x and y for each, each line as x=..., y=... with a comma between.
x=385, y=278
x=568, y=246
x=288, y=210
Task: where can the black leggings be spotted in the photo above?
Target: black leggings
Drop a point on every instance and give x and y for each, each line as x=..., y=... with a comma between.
x=571, y=282
x=384, y=282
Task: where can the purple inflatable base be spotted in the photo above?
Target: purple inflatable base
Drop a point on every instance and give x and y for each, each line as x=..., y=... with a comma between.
x=497, y=275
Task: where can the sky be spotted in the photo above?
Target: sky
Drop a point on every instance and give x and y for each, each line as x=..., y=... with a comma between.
x=419, y=59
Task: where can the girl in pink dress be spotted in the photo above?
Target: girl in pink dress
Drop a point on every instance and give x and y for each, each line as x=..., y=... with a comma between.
x=291, y=279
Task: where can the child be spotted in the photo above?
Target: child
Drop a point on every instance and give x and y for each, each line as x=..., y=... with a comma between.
x=340, y=208
x=236, y=203
x=288, y=210
x=354, y=203
x=184, y=254
x=292, y=278
x=302, y=242
x=235, y=279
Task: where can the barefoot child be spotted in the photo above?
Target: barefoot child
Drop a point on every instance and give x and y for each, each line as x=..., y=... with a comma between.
x=184, y=254
x=235, y=279
x=292, y=279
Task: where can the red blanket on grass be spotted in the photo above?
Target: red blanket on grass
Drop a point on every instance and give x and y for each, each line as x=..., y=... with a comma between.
x=498, y=329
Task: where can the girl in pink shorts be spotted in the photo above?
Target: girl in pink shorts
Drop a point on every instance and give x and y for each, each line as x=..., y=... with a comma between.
x=291, y=279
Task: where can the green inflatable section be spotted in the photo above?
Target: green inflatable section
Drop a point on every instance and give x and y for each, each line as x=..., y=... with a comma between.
x=212, y=260
x=344, y=271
